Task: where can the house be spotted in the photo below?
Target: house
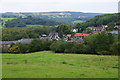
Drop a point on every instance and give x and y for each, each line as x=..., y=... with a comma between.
x=43, y=36
x=92, y=28
x=78, y=37
x=6, y=44
x=97, y=29
x=53, y=35
x=25, y=40
x=77, y=40
x=67, y=37
x=113, y=32
x=75, y=30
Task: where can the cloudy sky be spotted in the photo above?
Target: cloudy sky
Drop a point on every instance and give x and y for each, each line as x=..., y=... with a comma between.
x=99, y=6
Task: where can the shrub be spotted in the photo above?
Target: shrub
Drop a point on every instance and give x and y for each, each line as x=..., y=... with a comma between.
x=14, y=49
x=46, y=44
x=36, y=45
x=78, y=48
x=58, y=46
x=68, y=47
x=115, y=48
x=104, y=53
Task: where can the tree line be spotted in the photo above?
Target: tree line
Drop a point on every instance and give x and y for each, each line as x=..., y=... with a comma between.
x=107, y=19
x=100, y=44
x=10, y=34
x=16, y=33
x=22, y=22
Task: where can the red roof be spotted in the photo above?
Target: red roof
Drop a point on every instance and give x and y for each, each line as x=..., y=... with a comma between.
x=69, y=35
x=81, y=34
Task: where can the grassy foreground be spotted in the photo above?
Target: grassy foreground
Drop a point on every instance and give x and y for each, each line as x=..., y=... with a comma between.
x=47, y=64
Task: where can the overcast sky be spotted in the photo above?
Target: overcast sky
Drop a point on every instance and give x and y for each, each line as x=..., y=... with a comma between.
x=98, y=6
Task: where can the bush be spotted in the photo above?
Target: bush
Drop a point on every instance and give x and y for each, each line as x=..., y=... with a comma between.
x=46, y=44
x=115, y=48
x=68, y=47
x=39, y=45
x=99, y=42
x=14, y=49
x=58, y=46
x=104, y=53
x=79, y=48
x=36, y=45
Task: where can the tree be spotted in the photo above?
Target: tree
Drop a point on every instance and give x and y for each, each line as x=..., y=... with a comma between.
x=99, y=42
x=24, y=47
x=36, y=45
x=58, y=46
x=115, y=48
x=80, y=27
x=88, y=31
x=63, y=29
x=79, y=48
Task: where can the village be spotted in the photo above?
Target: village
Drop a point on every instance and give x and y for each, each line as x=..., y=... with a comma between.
x=76, y=37
x=61, y=39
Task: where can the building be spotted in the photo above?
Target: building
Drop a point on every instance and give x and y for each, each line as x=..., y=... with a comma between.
x=97, y=29
x=25, y=40
x=75, y=30
x=53, y=35
x=67, y=37
x=6, y=44
x=113, y=32
x=78, y=37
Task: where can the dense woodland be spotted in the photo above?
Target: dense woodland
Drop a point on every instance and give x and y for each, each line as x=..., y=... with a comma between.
x=107, y=19
x=64, y=17
x=9, y=34
x=22, y=22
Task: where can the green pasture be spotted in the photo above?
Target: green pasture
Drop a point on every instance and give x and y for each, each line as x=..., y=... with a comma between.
x=4, y=21
x=78, y=21
x=47, y=64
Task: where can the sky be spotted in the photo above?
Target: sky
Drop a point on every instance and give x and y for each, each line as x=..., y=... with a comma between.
x=94, y=6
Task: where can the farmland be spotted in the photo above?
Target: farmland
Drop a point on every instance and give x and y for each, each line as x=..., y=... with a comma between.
x=46, y=64
x=4, y=21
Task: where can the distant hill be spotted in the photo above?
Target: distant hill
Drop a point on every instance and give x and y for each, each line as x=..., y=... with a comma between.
x=23, y=22
x=66, y=17
x=106, y=19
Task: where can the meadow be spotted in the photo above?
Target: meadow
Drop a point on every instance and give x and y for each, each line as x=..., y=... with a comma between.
x=40, y=26
x=46, y=64
x=78, y=21
x=4, y=20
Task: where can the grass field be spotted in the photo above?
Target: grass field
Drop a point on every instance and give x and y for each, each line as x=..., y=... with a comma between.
x=47, y=64
x=78, y=21
x=4, y=20
x=35, y=26
x=40, y=26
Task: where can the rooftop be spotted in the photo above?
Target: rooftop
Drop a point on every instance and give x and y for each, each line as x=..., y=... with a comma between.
x=81, y=34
